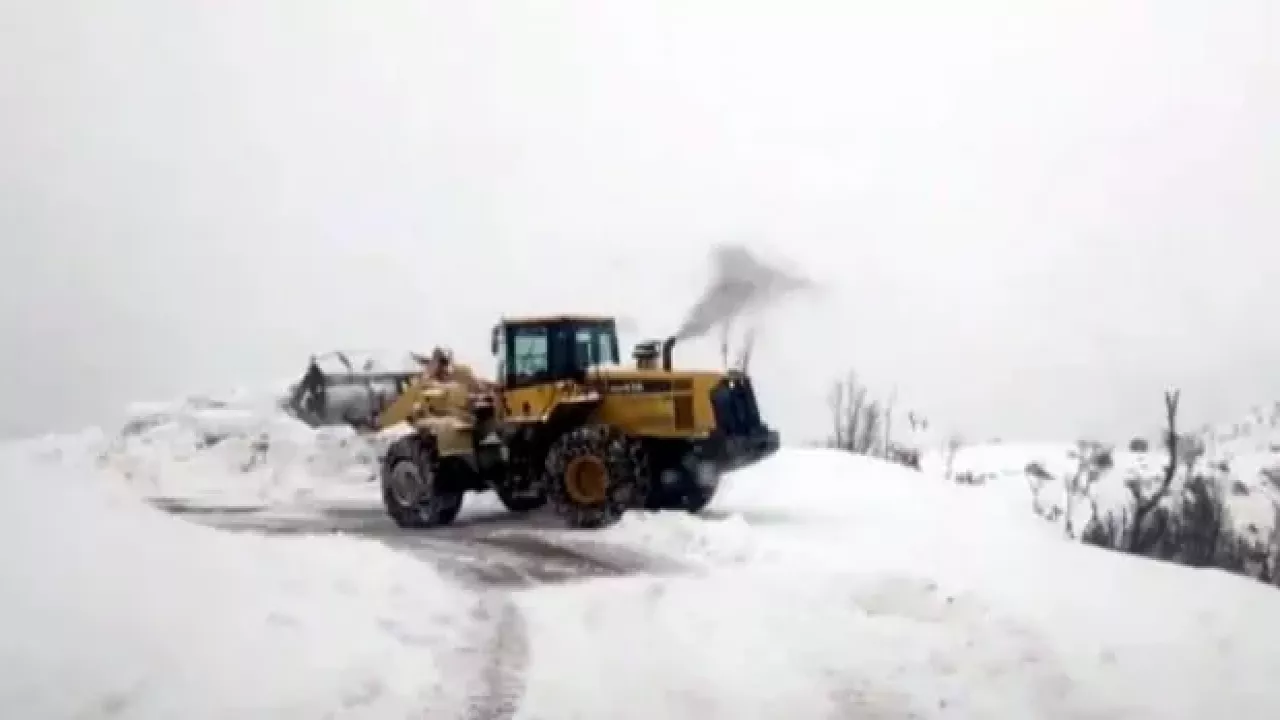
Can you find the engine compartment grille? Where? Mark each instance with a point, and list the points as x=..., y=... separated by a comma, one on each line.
x=734, y=403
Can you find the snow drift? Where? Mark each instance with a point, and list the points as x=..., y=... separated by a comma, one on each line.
x=243, y=451
x=113, y=609
x=1242, y=477
x=822, y=585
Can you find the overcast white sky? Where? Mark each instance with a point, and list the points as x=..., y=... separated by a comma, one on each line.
x=1031, y=220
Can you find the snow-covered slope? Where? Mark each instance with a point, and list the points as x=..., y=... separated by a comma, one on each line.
x=1248, y=484
x=112, y=609
x=1257, y=432
x=826, y=585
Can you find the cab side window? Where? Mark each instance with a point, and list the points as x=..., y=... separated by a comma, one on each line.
x=530, y=355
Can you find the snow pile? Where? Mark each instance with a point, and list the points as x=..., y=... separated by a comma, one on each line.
x=112, y=608
x=824, y=585
x=1246, y=482
x=240, y=451
x=706, y=541
x=872, y=591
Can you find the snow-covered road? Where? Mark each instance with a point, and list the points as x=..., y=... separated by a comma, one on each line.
x=486, y=547
x=819, y=585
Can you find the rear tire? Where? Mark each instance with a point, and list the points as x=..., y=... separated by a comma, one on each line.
x=410, y=477
x=594, y=474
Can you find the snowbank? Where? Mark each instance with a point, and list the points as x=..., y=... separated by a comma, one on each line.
x=243, y=451
x=818, y=584
x=111, y=608
x=1251, y=495
x=845, y=587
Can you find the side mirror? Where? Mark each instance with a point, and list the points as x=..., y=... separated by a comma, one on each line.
x=494, y=344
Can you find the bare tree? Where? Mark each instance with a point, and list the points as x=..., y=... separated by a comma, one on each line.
x=855, y=417
x=889, y=409
x=954, y=443
x=1271, y=571
x=1146, y=528
x=1093, y=459
x=870, y=428
x=1037, y=480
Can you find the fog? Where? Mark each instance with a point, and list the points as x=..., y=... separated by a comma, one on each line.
x=1028, y=220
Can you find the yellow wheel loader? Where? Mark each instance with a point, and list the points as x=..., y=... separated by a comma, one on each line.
x=567, y=424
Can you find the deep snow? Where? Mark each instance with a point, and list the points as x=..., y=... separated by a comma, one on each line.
x=113, y=609
x=1248, y=486
x=829, y=586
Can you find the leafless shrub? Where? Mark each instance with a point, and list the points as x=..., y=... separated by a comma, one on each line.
x=1093, y=460
x=1038, y=479
x=1182, y=515
x=856, y=418
x=954, y=443
x=903, y=455
x=864, y=425
x=1272, y=475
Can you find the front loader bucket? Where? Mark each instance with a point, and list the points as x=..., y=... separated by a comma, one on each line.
x=333, y=391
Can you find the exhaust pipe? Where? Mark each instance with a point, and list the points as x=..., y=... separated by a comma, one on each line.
x=667, y=345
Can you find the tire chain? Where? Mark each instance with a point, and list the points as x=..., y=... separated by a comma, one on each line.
x=621, y=454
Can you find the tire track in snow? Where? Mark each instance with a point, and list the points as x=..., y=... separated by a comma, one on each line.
x=495, y=559
x=499, y=682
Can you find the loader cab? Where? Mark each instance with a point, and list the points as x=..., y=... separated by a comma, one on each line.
x=534, y=351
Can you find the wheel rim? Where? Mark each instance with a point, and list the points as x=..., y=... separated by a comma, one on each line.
x=586, y=480
x=406, y=483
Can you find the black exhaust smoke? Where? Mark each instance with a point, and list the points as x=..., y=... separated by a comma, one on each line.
x=740, y=283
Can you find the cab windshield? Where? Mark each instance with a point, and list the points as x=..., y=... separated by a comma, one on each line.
x=595, y=345
x=539, y=353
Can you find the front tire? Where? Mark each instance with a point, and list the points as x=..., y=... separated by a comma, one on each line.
x=410, y=478
x=692, y=488
x=594, y=475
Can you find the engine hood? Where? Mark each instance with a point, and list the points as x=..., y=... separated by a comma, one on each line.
x=615, y=374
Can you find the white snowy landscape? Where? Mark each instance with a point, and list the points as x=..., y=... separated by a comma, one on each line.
x=820, y=584
x=1002, y=231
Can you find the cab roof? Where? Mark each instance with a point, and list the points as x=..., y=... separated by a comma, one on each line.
x=548, y=319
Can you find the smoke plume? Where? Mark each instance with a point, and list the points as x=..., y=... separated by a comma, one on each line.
x=740, y=283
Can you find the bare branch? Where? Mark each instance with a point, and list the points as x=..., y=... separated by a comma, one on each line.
x=1144, y=506
x=888, y=422
x=856, y=419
